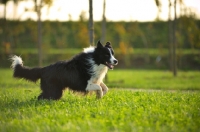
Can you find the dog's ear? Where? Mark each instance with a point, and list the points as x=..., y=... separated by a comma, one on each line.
x=108, y=45
x=99, y=45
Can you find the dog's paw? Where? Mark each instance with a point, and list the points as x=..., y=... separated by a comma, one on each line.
x=99, y=94
x=105, y=91
x=104, y=88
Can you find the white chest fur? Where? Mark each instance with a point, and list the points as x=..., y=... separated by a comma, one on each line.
x=95, y=83
x=99, y=72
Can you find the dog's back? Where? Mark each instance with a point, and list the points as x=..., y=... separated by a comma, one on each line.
x=56, y=77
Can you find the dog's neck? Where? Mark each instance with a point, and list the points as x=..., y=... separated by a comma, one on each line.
x=99, y=72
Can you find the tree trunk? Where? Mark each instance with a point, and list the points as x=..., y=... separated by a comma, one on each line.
x=174, y=42
x=39, y=25
x=103, y=35
x=5, y=25
x=14, y=9
x=91, y=25
x=170, y=38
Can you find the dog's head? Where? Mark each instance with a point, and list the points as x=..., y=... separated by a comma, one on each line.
x=105, y=55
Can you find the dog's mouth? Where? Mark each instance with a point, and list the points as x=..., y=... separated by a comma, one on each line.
x=109, y=65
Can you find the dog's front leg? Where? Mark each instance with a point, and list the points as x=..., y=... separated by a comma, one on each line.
x=95, y=87
x=104, y=88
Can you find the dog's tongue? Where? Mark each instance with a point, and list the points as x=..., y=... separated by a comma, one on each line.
x=110, y=65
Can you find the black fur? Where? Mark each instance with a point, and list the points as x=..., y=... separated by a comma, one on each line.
x=73, y=74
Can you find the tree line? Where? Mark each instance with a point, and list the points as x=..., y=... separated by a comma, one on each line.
x=70, y=34
x=126, y=38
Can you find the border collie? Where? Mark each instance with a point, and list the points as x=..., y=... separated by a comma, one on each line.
x=83, y=73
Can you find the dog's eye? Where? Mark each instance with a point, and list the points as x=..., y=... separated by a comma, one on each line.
x=107, y=54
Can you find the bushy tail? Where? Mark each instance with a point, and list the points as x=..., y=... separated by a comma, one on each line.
x=31, y=74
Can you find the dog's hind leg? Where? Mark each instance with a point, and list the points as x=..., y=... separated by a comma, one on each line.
x=44, y=88
x=50, y=91
x=51, y=94
x=56, y=94
x=43, y=95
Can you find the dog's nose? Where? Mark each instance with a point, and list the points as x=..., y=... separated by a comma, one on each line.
x=115, y=62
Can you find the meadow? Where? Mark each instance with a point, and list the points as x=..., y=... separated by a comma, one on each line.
x=138, y=100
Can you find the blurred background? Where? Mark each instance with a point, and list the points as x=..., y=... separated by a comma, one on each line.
x=145, y=34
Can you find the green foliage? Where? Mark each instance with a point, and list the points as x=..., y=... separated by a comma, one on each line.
x=151, y=38
x=189, y=30
x=75, y=34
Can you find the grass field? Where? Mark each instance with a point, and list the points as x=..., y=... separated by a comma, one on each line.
x=136, y=79
x=177, y=109
x=154, y=79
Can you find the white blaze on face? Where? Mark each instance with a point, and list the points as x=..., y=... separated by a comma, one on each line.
x=112, y=58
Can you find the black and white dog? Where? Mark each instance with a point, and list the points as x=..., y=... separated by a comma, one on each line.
x=83, y=73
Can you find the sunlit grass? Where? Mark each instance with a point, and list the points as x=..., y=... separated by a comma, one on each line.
x=154, y=79
x=119, y=110
x=142, y=79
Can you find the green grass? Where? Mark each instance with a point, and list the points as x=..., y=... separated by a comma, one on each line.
x=119, y=110
x=136, y=79
x=154, y=79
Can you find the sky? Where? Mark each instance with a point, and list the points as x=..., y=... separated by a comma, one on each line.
x=116, y=10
